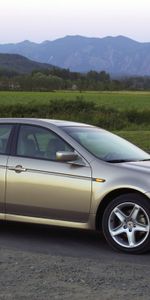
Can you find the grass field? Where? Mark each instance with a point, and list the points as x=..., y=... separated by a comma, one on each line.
x=140, y=138
x=118, y=100
x=121, y=101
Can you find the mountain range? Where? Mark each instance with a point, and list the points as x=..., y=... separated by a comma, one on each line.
x=20, y=64
x=117, y=55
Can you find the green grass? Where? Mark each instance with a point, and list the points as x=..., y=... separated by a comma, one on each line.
x=117, y=100
x=139, y=134
x=139, y=138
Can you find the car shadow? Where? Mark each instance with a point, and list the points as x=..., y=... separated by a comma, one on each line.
x=48, y=238
x=61, y=241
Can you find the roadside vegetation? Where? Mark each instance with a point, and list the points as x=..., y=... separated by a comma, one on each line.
x=125, y=113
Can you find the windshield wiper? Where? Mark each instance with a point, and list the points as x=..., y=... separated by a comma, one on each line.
x=146, y=159
x=125, y=160
x=118, y=160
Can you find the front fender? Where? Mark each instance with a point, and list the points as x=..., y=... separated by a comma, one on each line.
x=100, y=192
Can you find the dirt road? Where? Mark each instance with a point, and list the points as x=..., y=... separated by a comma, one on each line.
x=43, y=263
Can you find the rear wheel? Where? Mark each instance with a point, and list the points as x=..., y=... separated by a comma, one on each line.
x=126, y=223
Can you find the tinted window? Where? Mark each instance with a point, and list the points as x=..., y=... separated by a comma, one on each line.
x=5, y=131
x=39, y=142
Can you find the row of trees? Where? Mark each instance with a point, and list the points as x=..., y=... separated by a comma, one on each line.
x=60, y=79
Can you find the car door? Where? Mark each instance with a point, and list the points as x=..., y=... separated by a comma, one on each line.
x=5, y=134
x=40, y=186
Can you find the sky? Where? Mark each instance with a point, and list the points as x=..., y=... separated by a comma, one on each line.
x=39, y=20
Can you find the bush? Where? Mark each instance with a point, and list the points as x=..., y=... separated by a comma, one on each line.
x=79, y=110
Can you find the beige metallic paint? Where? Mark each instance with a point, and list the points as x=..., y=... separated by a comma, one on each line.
x=49, y=189
x=73, y=191
x=3, y=162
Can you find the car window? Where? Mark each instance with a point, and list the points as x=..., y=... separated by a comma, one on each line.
x=105, y=145
x=38, y=142
x=5, y=131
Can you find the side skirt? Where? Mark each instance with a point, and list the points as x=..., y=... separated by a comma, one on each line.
x=26, y=219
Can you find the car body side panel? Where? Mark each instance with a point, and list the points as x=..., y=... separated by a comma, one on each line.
x=115, y=177
x=3, y=162
x=48, y=189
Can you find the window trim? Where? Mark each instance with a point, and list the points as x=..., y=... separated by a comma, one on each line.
x=16, y=139
x=10, y=139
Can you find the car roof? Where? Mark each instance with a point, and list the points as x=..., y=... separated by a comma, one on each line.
x=63, y=123
x=59, y=123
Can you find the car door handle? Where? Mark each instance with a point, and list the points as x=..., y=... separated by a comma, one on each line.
x=17, y=169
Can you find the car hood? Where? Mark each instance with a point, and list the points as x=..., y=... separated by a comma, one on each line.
x=138, y=165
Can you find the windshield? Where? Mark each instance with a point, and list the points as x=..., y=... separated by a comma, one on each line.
x=105, y=145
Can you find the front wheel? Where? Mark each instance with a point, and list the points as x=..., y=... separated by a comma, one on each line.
x=126, y=223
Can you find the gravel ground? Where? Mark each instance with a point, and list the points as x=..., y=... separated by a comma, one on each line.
x=51, y=263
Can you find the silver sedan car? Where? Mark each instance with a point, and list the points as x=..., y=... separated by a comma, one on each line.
x=75, y=175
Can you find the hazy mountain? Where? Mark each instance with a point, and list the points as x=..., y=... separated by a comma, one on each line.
x=20, y=63
x=116, y=55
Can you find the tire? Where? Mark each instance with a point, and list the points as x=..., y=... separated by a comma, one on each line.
x=126, y=223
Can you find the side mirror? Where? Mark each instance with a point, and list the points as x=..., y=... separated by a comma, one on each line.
x=65, y=156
